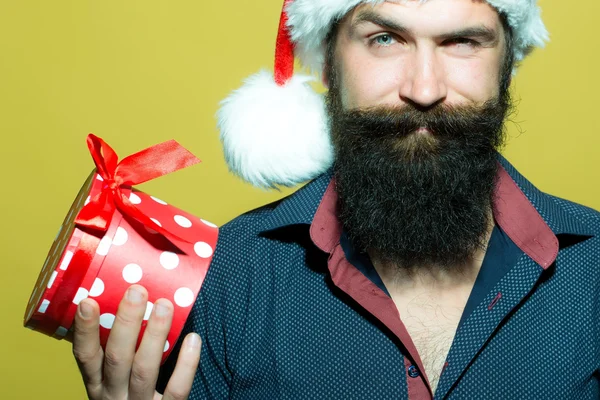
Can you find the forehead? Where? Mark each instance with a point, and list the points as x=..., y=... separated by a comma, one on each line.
x=431, y=16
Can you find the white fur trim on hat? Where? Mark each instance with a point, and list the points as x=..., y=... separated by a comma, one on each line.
x=309, y=22
x=275, y=135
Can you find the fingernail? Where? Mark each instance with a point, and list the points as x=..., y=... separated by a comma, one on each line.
x=161, y=310
x=85, y=310
x=134, y=295
x=194, y=341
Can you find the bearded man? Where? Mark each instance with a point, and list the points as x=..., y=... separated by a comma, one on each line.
x=417, y=263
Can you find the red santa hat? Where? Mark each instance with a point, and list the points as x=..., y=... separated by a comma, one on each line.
x=274, y=129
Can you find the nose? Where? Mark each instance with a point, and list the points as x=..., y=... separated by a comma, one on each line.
x=424, y=84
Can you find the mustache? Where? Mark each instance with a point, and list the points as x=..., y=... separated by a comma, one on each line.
x=443, y=120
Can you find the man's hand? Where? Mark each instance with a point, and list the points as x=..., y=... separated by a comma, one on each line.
x=120, y=372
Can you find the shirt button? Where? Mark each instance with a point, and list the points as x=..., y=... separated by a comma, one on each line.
x=413, y=372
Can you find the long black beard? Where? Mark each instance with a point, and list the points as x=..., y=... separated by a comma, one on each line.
x=417, y=200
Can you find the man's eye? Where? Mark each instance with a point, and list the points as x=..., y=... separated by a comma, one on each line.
x=383, y=40
x=463, y=41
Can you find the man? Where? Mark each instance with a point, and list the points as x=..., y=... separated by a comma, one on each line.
x=420, y=265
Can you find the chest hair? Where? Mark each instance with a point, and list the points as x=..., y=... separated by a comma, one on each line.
x=431, y=321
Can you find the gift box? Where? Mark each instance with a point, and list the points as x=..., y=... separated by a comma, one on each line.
x=115, y=236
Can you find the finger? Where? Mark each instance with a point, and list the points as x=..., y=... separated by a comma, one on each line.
x=180, y=384
x=120, y=347
x=146, y=362
x=86, y=346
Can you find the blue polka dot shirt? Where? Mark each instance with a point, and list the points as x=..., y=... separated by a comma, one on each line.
x=283, y=313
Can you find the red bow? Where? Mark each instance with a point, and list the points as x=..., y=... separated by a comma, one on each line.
x=140, y=167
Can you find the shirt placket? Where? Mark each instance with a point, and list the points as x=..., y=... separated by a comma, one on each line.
x=351, y=281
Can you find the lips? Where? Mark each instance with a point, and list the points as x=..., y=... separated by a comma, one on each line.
x=423, y=131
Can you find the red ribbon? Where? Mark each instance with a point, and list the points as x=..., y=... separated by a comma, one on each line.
x=148, y=164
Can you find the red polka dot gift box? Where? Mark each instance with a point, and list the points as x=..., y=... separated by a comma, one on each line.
x=115, y=236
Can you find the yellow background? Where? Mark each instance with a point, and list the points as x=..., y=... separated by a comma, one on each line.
x=138, y=72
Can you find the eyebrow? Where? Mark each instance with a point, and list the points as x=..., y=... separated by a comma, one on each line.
x=480, y=32
x=368, y=16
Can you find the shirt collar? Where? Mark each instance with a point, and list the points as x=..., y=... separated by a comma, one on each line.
x=558, y=219
x=300, y=207
x=532, y=219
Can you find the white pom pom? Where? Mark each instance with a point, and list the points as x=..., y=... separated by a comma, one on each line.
x=275, y=135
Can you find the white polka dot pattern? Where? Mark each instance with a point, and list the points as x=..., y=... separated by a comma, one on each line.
x=135, y=199
x=159, y=201
x=165, y=271
x=80, y=295
x=127, y=254
x=61, y=331
x=203, y=249
x=52, y=279
x=156, y=222
x=132, y=273
x=152, y=231
x=208, y=223
x=149, y=308
x=104, y=246
x=169, y=260
x=66, y=260
x=184, y=297
x=97, y=289
x=44, y=306
x=120, y=237
x=107, y=320
x=182, y=221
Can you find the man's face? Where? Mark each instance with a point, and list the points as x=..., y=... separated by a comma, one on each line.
x=417, y=101
x=440, y=51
